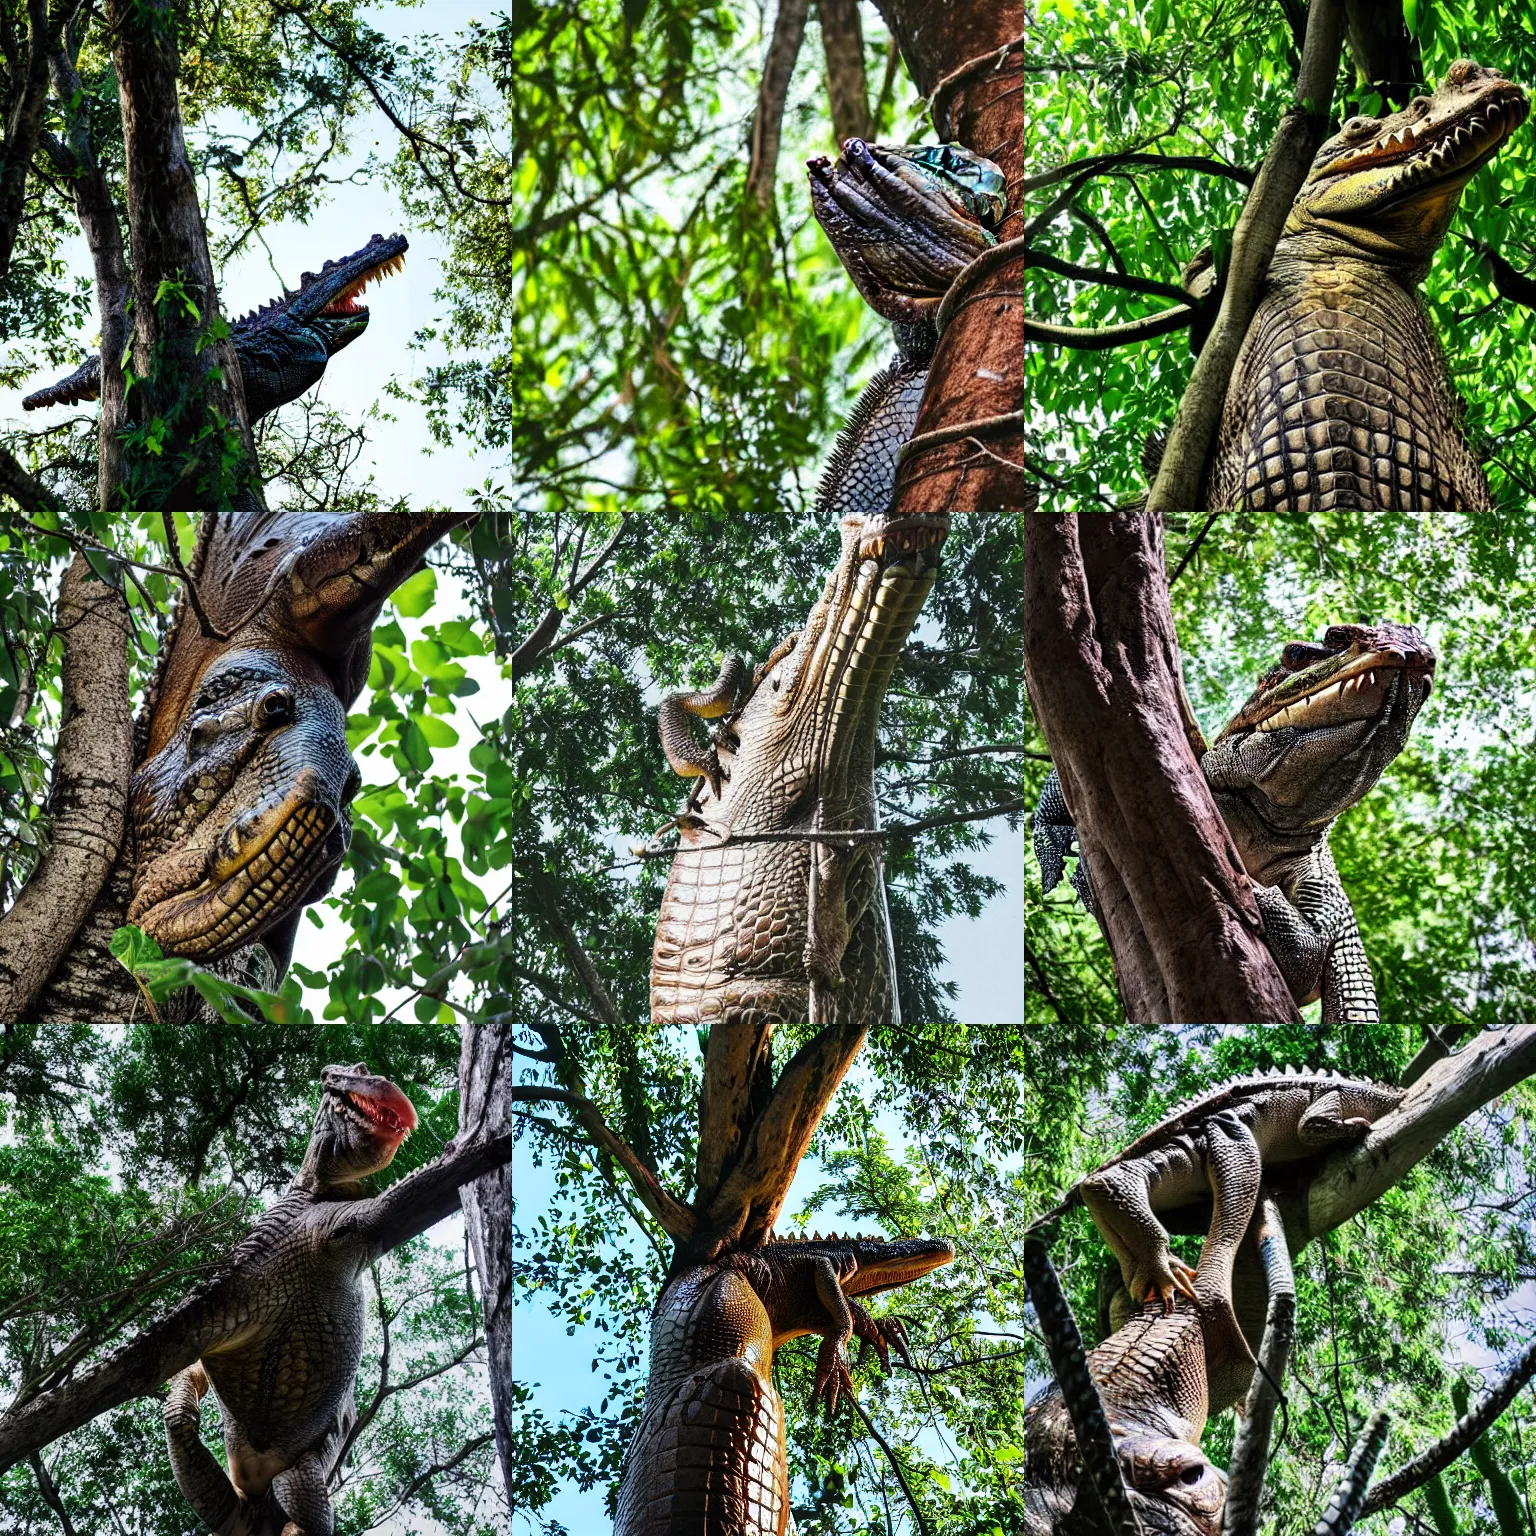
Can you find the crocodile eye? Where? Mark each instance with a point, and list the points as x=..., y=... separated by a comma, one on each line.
x=351, y=787
x=275, y=707
x=1192, y=1475
x=1300, y=655
x=1358, y=128
x=203, y=736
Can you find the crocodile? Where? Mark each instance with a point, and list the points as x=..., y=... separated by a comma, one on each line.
x=277, y=1331
x=757, y=935
x=1218, y=1142
x=1311, y=740
x=1341, y=397
x=284, y=346
x=238, y=811
x=708, y=1454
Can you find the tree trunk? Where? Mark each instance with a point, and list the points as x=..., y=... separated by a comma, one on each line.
x=768, y=123
x=175, y=297
x=842, y=40
x=1101, y=663
x=485, y=1110
x=967, y=449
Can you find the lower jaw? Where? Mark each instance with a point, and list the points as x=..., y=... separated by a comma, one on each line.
x=902, y=536
x=206, y=926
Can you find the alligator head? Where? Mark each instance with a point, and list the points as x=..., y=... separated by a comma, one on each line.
x=1151, y=1375
x=238, y=806
x=1320, y=728
x=906, y=219
x=361, y=1122
x=1386, y=189
x=241, y=816
x=282, y=347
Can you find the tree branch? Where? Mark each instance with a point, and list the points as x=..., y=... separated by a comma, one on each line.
x=1182, y=473
x=1101, y=338
x=89, y=798
x=1094, y=165
x=675, y=1218
x=768, y=122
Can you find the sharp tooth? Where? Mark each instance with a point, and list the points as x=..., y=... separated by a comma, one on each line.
x=1373, y=679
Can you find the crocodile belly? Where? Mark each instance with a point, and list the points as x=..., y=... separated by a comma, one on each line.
x=1341, y=400
x=730, y=937
x=709, y=1460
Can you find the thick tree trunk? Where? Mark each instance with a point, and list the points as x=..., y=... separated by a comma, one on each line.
x=170, y=247
x=89, y=799
x=485, y=1110
x=967, y=452
x=23, y=126
x=842, y=40
x=1382, y=49
x=1102, y=668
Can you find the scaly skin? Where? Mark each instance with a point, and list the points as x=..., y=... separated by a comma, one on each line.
x=238, y=804
x=282, y=347
x=278, y=1329
x=1292, y=760
x=708, y=1456
x=1340, y=398
x=1219, y=1142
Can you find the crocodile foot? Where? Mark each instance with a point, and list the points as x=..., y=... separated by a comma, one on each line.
x=881, y=1334
x=834, y=1381
x=1166, y=1275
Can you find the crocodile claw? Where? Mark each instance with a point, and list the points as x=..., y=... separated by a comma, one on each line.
x=1177, y=1278
x=833, y=1379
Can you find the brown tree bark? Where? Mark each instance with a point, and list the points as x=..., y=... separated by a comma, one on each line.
x=170, y=245
x=842, y=40
x=1102, y=668
x=89, y=798
x=76, y=159
x=27, y=61
x=768, y=124
x=967, y=449
x=485, y=1111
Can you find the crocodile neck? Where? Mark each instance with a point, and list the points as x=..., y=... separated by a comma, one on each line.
x=1342, y=399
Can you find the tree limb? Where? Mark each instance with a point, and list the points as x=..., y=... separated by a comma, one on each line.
x=1104, y=279
x=89, y=798
x=768, y=122
x=675, y=1218
x=1182, y=473
x=842, y=39
x=1101, y=338
x=1095, y=164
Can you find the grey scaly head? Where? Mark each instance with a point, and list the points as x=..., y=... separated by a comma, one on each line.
x=241, y=817
x=1318, y=731
x=282, y=347
x=359, y=1126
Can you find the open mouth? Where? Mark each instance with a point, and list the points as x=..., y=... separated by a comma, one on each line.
x=885, y=537
x=380, y=1114
x=1436, y=152
x=1359, y=692
x=345, y=303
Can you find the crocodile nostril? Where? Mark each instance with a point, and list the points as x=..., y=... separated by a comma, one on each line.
x=351, y=787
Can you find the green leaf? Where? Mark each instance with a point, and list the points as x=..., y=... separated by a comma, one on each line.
x=414, y=597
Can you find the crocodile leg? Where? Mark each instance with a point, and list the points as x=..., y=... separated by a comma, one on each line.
x=302, y=1493
x=1118, y=1200
x=203, y=1482
x=710, y=703
x=1236, y=1167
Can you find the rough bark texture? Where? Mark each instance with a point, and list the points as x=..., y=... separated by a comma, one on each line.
x=768, y=124
x=1102, y=668
x=485, y=1110
x=76, y=158
x=971, y=421
x=842, y=38
x=28, y=94
x=1180, y=476
x=89, y=798
x=169, y=244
